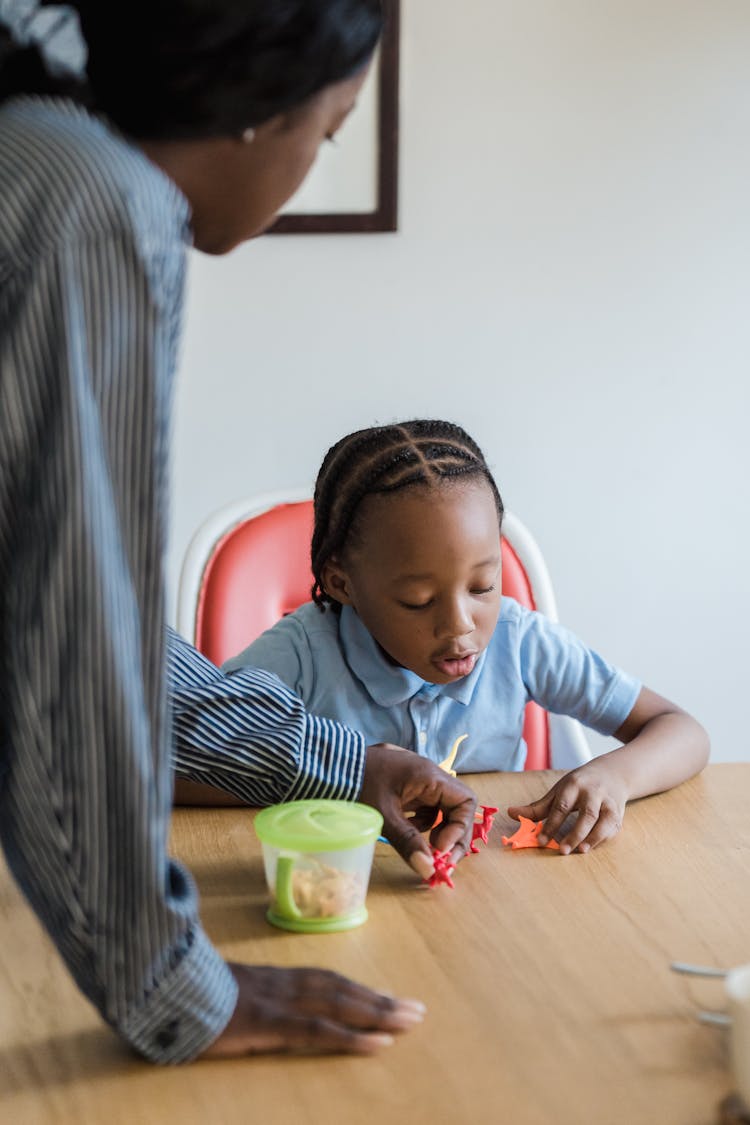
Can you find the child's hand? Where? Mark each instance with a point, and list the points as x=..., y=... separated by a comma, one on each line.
x=595, y=792
x=663, y=746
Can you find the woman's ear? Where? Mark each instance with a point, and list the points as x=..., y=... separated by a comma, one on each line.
x=335, y=582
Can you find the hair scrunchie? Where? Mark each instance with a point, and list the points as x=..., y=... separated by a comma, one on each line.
x=51, y=30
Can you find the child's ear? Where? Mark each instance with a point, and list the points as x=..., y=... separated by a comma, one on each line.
x=335, y=582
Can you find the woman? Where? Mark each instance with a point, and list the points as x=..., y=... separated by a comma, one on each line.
x=195, y=122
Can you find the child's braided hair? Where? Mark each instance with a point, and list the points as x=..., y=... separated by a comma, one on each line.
x=385, y=459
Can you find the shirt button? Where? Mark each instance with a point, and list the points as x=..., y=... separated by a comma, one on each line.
x=422, y=737
x=167, y=1036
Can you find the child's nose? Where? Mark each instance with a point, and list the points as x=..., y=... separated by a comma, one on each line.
x=456, y=622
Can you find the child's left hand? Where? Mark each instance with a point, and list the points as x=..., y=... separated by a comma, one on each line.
x=662, y=747
x=595, y=792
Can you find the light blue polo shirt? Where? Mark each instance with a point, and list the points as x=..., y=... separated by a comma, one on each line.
x=340, y=672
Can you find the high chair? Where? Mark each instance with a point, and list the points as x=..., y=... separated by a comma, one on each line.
x=249, y=564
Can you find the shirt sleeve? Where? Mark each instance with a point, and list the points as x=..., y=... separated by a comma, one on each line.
x=566, y=677
x=249, y=734
x=85, y=795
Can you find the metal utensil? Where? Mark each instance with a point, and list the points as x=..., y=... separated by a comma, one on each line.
x=697, y=970
x=717, y=1019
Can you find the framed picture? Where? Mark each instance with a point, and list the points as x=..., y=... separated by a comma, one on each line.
x=353, y=186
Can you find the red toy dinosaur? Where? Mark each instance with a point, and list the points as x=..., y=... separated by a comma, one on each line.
x=444, y=868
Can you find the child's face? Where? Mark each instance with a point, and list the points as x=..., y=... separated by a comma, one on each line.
x=424, y=576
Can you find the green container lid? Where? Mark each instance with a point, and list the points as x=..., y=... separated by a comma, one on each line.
x=318, y=825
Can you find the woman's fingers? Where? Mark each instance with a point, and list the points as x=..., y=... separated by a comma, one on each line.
x=309, y=1010
x=454, y=833
x=398, y=783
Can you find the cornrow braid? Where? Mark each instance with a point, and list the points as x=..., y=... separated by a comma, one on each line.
x=384, y=459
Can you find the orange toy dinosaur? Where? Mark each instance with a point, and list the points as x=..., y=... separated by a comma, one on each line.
x=526, y=835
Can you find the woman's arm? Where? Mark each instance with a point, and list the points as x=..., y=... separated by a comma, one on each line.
x=84, y=804
x=250, y=735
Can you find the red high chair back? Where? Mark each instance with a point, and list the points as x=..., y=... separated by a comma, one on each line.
x=249, y=565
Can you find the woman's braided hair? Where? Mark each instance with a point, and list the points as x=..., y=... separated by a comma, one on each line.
x=385, y=459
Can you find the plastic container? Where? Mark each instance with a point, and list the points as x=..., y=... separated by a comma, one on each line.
x=317, y=857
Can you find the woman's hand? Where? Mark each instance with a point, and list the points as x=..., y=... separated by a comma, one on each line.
x=398, y=782
x=595, y=792
x=309, y=1010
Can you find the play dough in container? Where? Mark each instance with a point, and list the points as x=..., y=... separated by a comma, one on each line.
x=317, y=857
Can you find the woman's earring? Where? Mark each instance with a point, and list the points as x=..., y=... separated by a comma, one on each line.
x=248, y=135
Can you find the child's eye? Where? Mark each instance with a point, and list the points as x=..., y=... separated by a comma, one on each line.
x=411, y=605
x=486, y=590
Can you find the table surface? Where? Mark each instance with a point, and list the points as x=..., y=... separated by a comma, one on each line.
x=547, y=981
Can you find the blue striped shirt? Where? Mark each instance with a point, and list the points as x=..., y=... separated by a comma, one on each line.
x=92, y=268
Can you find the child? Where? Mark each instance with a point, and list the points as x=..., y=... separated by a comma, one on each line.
x=410, y=641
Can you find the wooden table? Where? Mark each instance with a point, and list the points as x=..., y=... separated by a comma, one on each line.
x=546, y=978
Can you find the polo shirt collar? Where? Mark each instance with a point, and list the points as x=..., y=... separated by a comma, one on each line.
x=389, y=684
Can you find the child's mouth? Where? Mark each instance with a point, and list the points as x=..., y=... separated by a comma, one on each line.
x=457, y=665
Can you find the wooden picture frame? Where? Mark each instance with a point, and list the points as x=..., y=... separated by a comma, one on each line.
x=384, y=215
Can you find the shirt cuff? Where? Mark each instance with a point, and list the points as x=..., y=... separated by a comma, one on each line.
x=331, y=762
x=187, y=1010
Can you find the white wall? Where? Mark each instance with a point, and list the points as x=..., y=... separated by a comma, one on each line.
x=570, y=282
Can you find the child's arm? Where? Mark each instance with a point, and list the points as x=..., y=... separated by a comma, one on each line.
x=663, y=746
x=195, y=793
